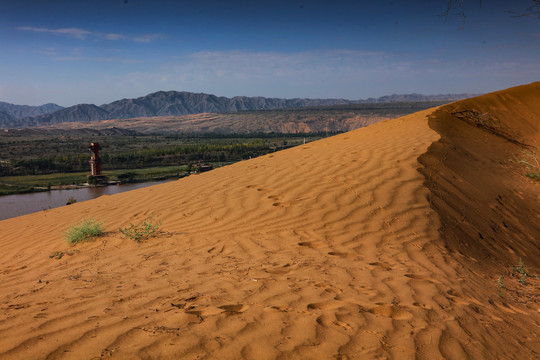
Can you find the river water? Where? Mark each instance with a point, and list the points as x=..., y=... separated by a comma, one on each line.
x=22, y=204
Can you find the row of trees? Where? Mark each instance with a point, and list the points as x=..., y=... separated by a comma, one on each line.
x=164, y=156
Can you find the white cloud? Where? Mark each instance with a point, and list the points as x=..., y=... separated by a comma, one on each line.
x=71, y=32
x=146, y=38
x=83, y=34
x=113, y=36
x=349, y=74
x=50, y=51
x=95, y=59
x=240, y=72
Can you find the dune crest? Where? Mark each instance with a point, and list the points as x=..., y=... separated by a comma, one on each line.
x=342, y=248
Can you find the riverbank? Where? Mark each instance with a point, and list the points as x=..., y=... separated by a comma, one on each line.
x=11, y=185
x=23, y=204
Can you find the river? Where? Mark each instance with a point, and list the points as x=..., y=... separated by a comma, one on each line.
x=22, y=204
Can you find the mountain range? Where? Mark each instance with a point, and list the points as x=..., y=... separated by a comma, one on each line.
x=22, y=111
x=171, y=103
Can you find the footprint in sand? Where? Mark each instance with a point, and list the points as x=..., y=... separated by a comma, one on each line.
x=204, y=312
x=209, y=311
x=284, y=269
x=312, y=244
x=234, y=308
x=422, y=277
x=345, y=326
x=216, y=249
x=385, y=266
x=282, y=204
x=328, y=288
x=342, y=254
x=390, y=311
x=324, y=305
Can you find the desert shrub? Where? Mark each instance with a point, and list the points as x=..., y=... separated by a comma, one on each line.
x=533, y=175
x=57, y=255
x=529, y=158
x=500, y=286
x=522, y=271
x=92, y=180
x=71, y=200
x=85, y=231
x=142, y=231
x=127, y=176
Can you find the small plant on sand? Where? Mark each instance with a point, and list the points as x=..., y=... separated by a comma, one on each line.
x=57, y=255
x=143, y=231
x=529, y=158
x=523, y=271
x=85, y=231
x=500, y=286
x=60, y=254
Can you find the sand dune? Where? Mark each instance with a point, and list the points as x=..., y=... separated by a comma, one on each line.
x=365, y=245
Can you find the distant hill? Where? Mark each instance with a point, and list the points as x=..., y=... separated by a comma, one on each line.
x=81, y=112
x=184, y=103
x=418, y=97
x=329, y=118
x=5, y=118
x=173, y=103
x=22, y=111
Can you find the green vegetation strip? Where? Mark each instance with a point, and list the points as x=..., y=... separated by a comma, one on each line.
x=31, y=183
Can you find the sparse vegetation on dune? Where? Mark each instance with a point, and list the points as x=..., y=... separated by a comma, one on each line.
x=500, y=286
x=144, y=230
x=530, y=159
x=86, y=230
x=520, y=285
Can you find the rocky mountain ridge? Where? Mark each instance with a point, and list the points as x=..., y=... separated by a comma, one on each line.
x=6, y=118
x=22, y=111
x=174, y=103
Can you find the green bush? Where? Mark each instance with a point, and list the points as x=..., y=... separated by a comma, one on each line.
x=523, y=271
x=71, y=200
x=127, y=176
x=92, y=180
x=85, y=231
x=143, y=230
x=529, y=158
x=533, y=175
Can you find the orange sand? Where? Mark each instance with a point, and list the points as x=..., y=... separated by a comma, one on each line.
x=365, y=245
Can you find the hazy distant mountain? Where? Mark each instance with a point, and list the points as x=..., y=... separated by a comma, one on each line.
x=167, y=103
x=82, y=112
x=21, y=111
x=419, y=97
x=171, y=103
x=5, y=118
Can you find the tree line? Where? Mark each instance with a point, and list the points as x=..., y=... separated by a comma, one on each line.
x=162, y=156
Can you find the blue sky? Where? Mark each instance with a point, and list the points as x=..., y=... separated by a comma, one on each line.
x=97, y=51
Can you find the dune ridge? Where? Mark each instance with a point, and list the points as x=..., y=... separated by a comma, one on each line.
x=344, y=248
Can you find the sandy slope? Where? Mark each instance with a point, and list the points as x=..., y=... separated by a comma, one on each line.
x=340, y=249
